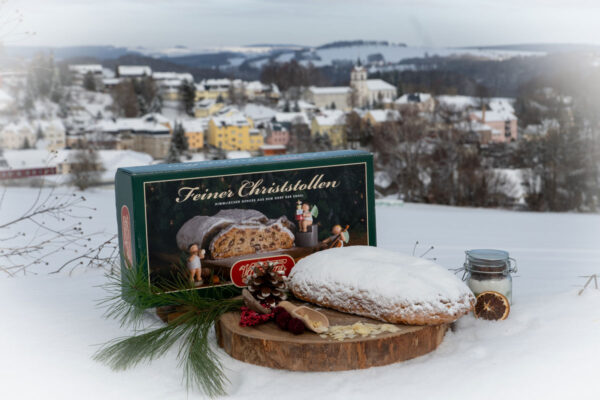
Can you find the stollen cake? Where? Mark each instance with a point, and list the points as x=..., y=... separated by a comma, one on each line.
x=382, y=285
x=248, y=238
x=236, y=232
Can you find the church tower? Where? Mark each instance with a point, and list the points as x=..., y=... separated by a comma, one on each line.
x=358, y=82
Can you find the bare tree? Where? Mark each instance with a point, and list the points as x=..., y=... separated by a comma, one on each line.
x=353, y=98
x=125, y=100
x=400, y=147
x=357, y=131
x=53, y=224
x=86, y=167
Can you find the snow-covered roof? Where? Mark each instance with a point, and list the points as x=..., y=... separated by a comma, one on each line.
x=256, y=86
x=237, y=119
x=302, y=105
x=272, y=147
x=503, y=106
x=111, y=81
x=379, y=84
x=228, y=110
x=211, y=84
x=384, y=115
x=54, y=123
x=231, y=155
x=85, y=68
x=329, y=89
x=292, y=117
x=205, y=103
x=108, y=73
x=457, y=102
x=305, y=105
x=195, y=124
x=259, y=112
x=134, y=70
x=413, y=98
x=18, y=126
x=330, y=117
x=33, y=158
x=149, y=123
x=111, y=160
x=494, y=116
x=172, y=76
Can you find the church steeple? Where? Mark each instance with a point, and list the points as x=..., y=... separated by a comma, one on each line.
x=358, y=82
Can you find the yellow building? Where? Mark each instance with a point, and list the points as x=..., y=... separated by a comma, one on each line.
x=194, y=132
x=234, y=133
x=330, y=123
x=212, y=89
x=207, y=108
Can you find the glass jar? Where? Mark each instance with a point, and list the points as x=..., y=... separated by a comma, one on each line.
x=489, y=270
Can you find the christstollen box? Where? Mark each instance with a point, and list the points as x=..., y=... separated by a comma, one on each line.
x=204, y=225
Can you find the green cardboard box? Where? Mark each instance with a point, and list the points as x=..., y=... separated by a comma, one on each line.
x=207, y=223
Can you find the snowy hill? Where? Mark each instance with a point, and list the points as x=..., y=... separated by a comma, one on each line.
x=327, y=54
x=394, y=53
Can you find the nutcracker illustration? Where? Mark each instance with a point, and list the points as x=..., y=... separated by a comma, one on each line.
x=299, y=212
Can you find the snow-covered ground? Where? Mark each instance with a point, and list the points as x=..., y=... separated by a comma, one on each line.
x=548, y=348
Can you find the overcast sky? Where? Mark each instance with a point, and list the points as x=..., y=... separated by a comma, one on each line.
x=214, y=23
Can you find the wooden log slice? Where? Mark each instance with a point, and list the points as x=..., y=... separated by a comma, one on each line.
x=269, y=346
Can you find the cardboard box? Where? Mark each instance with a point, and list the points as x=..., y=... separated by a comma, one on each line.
x=208, y=223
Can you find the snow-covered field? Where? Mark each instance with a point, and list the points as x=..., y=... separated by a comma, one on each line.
x=549, y=348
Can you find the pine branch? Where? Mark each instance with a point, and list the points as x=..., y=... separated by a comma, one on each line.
x=130, y=295
x=202, y=367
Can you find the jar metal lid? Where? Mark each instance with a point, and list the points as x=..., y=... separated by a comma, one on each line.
x=489, y=261
x=487, y=256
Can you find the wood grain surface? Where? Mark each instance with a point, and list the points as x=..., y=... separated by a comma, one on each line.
x=269, y=346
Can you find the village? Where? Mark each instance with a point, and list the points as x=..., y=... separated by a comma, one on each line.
x=88, y=119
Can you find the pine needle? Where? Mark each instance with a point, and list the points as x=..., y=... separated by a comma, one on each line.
x=130, y=296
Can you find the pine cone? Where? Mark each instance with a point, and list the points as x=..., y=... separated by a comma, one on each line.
x=267, y=285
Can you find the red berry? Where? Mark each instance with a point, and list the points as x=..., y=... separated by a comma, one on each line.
x=296, y=326
x=282, y=319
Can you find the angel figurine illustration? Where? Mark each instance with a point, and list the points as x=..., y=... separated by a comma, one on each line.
x=307, y=216
x=194, y=264
x=338, y=237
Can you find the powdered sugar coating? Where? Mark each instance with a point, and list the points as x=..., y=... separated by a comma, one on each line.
x=381, y=284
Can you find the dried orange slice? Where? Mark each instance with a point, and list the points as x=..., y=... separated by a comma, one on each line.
x=492, y=306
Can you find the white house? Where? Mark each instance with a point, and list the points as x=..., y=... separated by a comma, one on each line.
x=422, y=102
x=79, y=71
x=53, y=134
x=329, y=96
x=17, y=135
x=370, y=91
x=362, y=92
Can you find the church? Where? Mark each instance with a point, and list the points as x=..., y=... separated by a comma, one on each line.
x=362, y=92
